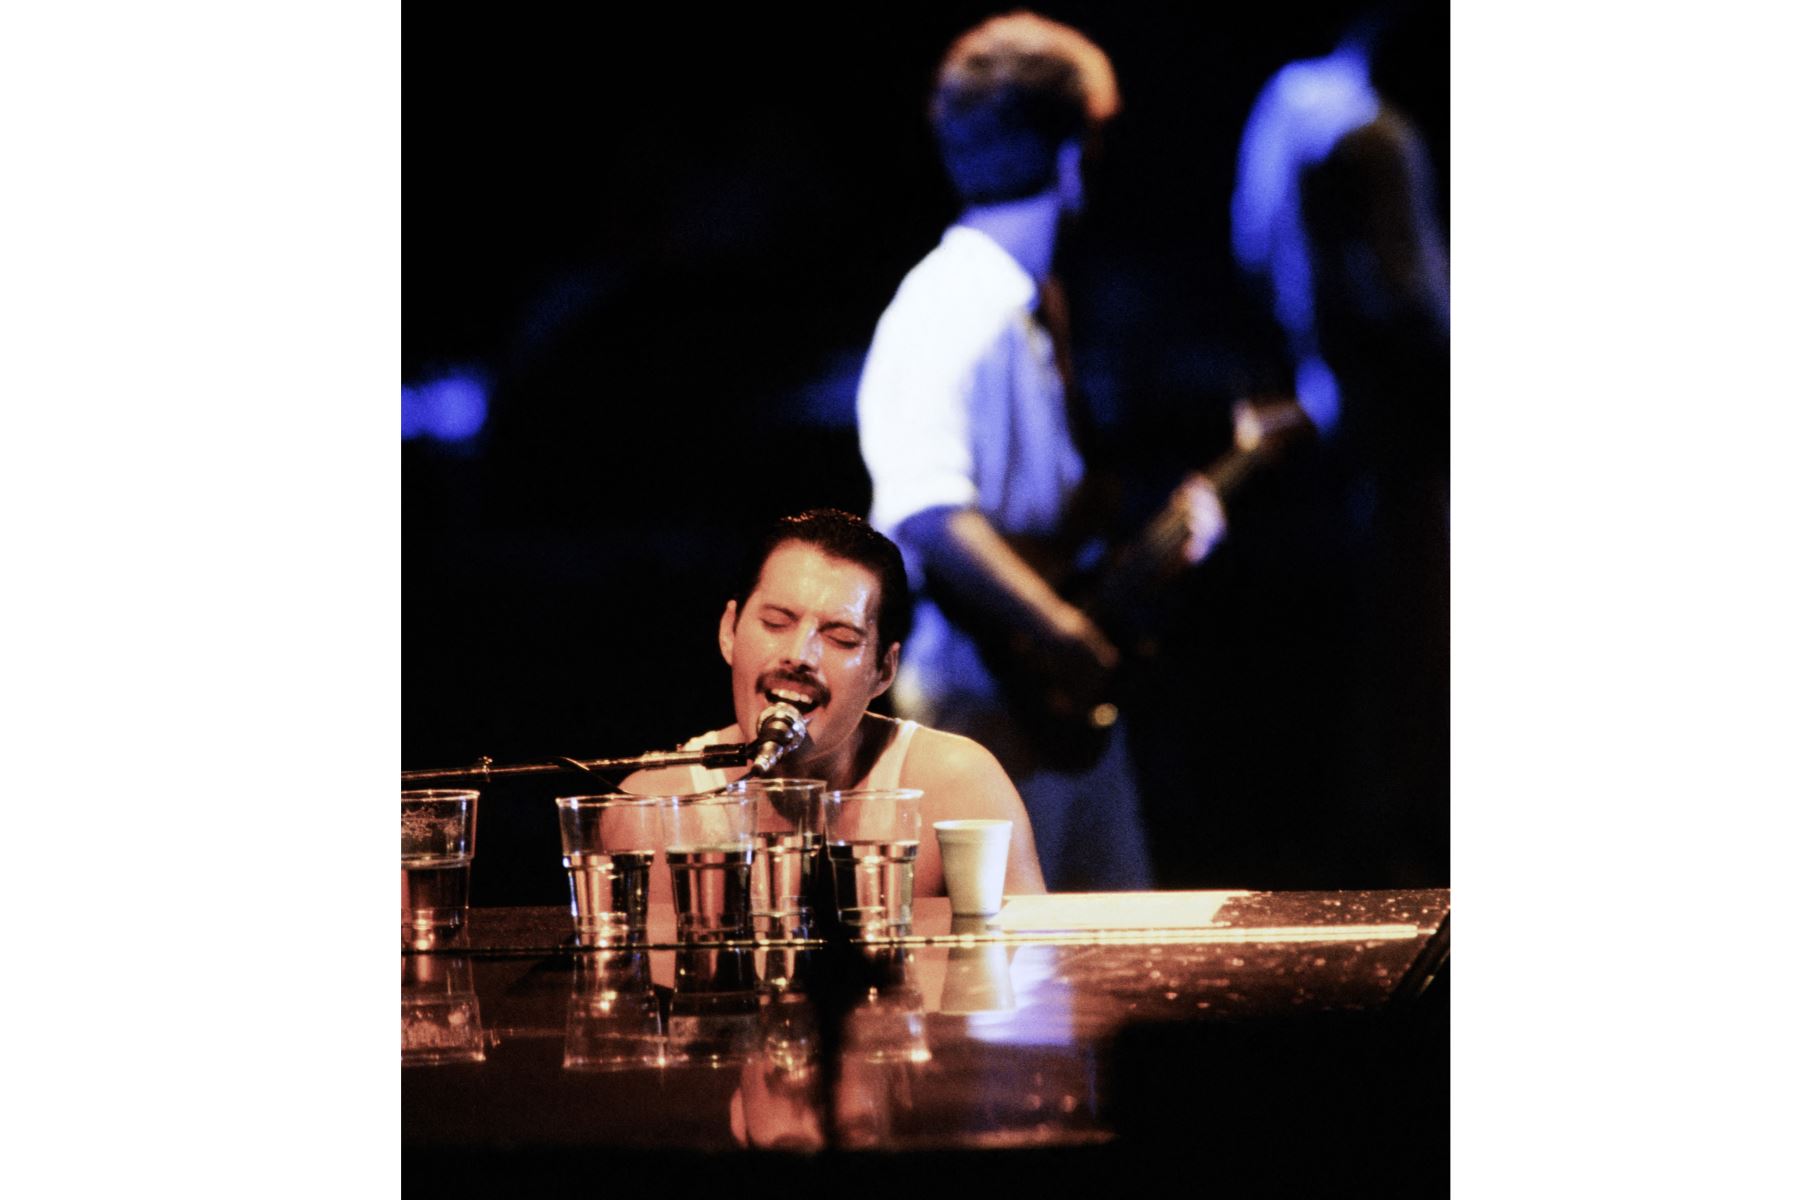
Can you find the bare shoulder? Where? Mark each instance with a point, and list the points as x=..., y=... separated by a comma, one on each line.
x=950, y=765
x=962, y=780
x=665, y=781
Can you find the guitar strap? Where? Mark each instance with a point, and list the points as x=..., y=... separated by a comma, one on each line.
x=1091, y=511
x=1053, y=315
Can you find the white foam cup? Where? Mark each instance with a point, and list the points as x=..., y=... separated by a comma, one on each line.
x=974, y=854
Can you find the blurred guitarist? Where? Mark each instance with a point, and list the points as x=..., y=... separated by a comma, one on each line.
x=966, y=431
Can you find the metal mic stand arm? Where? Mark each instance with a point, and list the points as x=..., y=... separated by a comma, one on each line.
x=732, y=754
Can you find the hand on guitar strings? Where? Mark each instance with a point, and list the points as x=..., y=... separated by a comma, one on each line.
x=1205, y=517
x=1076, y=653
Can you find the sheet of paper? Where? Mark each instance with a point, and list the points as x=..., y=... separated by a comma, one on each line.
x=1112, y=910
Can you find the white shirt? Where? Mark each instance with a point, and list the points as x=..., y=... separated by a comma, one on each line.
x=960, y=402
x=961, y=405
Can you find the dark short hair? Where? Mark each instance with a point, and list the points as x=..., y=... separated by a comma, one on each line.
x=840, y=535
x=1008, y=94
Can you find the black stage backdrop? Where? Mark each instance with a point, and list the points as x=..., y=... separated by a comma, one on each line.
x=659, y=239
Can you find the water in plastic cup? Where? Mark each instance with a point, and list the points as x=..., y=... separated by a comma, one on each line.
x=437, y=846
x=871, y=845
x=974, y=855
x=787, y=829
x=609, y=842
x=707, y=841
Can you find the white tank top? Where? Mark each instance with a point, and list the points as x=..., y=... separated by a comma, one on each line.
x=885, y=773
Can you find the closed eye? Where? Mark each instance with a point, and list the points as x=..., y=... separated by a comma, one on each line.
x=773, y=617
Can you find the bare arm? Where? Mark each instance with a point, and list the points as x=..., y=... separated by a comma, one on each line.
x=963, y=781
x=663, y=781
x=967, y=555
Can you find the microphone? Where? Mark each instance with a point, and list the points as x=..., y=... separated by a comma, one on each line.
x=779, y=730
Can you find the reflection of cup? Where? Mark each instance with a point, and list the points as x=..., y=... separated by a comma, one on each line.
x=707, y=840
x=786, y=828
x=712, y=1014
x=974, y=854
x=788, y=1032
x=437, y=845
x=884, y=1048
x=978, y=979
x=440, y=1016
x=608, y=844
x=888, y=1023
x=871, y=844
x=780, y=968
x=615, y=1020
x=777, y=1105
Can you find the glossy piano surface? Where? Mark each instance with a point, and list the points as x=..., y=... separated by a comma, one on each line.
x=1054, y=1026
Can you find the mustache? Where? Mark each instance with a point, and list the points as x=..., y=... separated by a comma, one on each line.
x=798, y=681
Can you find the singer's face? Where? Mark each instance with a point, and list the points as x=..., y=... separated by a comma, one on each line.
x=806, y=636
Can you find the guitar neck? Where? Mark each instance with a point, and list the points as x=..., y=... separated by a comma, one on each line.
x=1156, y=553
x=1228, y=471
x=1158, y=547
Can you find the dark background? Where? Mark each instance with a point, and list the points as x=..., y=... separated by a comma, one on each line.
x=664, y=240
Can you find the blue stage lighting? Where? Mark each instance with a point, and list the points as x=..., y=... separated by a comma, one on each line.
x=451, y=408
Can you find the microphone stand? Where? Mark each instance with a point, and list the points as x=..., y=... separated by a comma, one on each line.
x=731, y=754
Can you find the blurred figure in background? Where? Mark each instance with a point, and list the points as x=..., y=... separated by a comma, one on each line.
x=1333, y=218
x=1334, y=222
x=970, y=436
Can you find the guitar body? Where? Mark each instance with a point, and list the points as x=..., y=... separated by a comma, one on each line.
x=1066, y=720
x=1069, y=717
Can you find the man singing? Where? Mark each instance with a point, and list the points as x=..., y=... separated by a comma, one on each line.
x=817, y=621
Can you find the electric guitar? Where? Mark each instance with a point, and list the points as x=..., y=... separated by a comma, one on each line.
x=1069, y=721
